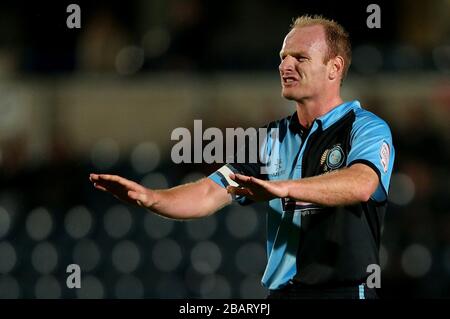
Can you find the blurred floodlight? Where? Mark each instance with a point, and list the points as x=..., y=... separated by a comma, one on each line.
x=145, y=157
x=251, y=258
x=126, y=256
x=9, y=287
x=10, y=201
x=406, y=57
x=91, y=288
x=117, y=221
x=192, y=279
x=206, y=257
x=441, y=57
x=129, y=60
x=13, y=111
x=367, y=59
x=157, y=227
x=47, y=287
x=416, y=260
x=8, y=257
x=78, y=222
x=129, y=287
x=156, y=41
x=201, y=229
x=44, y=258
x=5, y=222
x=215, y=287
x=402, y=189
x=155, y=181
x=39, y=224
x=170, y=286
x=86, y=254
x=105, y=153
x=251, y=288
x=242, y=222
x=166, y=255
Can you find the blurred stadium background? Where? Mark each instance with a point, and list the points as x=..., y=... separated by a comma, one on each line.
x=106, y=97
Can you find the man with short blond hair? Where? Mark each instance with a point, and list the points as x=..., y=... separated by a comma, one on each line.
x=332, y=162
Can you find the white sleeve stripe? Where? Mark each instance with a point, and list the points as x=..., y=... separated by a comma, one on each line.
x=225, y=171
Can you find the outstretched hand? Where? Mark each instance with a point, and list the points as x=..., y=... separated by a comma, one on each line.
x=257, y=189
x=124, y=189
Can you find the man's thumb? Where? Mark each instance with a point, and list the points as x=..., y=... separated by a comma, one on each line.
x=142, y=200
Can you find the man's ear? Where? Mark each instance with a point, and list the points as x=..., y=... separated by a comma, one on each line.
x=336, y=65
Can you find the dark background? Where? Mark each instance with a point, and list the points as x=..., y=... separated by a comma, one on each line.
x=105, y=98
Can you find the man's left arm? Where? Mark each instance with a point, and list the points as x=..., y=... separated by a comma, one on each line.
x=338, y=188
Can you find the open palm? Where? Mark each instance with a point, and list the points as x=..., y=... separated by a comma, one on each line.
x=127, y=191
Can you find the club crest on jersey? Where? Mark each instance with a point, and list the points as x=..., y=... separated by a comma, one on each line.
x=333, y=158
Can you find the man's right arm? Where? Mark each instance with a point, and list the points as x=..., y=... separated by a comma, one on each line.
x=188, y=201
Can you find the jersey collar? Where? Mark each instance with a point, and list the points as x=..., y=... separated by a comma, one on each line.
x=325, y=120
x=337, y=113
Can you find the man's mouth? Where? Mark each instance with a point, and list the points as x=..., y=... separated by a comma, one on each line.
x=289, y=80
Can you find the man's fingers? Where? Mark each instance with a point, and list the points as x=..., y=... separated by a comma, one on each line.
x=116, y=188
x=257, y=181
x=100, y=187
x=114, y=179
x=134, y=195
x=241, y=179
x=238, y=191
x=249, y=181
x=111, y=178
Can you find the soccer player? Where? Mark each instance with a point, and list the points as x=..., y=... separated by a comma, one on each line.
x=328, y=191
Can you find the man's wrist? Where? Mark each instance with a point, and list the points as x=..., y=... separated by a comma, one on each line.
x=292, y=188
x=154, y=199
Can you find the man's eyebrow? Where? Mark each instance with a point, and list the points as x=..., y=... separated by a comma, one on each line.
x=295, y=54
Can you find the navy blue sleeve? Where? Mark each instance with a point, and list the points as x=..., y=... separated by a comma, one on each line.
x=371, y=144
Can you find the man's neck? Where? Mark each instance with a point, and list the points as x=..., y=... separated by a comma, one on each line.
x=308, y=109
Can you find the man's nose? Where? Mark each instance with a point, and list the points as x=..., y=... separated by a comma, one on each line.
x=287, y=64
